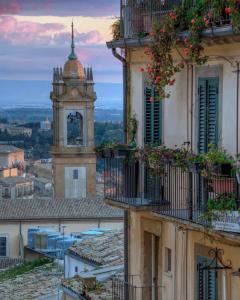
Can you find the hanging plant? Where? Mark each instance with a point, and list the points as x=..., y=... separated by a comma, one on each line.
x=191, y=20
x=232, y=8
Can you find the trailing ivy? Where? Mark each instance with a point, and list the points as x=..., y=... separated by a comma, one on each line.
x=191, y=21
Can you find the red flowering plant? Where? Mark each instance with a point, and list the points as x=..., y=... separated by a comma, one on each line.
x=162, y=67
x=191, y=20
x=232, y=8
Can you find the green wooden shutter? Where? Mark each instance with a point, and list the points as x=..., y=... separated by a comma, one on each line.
x=207, y=113
x=148, y=116
x=153, y=118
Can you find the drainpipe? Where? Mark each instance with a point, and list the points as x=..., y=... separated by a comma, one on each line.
x=124, y=64
x=126, y=214
x=237, y=114
x=192, y=107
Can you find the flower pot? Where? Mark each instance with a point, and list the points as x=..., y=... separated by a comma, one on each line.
x=122, y=152
x=223, y=169
x=107, y=153
x=223, y=185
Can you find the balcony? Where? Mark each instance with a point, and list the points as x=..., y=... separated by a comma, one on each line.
x=174, y=192
x=132, y=290
x=137, y=16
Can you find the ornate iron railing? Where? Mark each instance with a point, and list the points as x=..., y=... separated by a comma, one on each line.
x=137, y=16
x=170, y=190
x=122, y=290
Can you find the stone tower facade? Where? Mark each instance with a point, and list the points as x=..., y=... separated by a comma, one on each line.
x=74, y=159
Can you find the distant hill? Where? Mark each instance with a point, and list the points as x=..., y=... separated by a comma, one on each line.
x=32, y=93
x=21, y=115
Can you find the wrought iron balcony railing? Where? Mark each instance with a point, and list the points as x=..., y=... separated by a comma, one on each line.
x=130, y=290
x=137, y=16
x=172, y=191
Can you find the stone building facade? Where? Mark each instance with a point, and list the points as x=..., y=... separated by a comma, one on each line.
x=169, y=253
x=74, y=160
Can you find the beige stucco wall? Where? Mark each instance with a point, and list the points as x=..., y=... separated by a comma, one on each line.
x=185, y=243
x=8, y=159
x=177, y=109
x=13, y=229
x=59, y=165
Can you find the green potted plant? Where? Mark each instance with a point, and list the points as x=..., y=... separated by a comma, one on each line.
x=195, y=162
x=123, y=150
x=218, y=161
x=105, y=149
x=180, y=157
x=116, y=29
x=222, y=213
x=132, y=127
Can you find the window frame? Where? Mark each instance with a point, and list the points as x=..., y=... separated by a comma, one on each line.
x=6, y=245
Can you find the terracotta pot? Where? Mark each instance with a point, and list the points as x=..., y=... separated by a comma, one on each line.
x=223, y=185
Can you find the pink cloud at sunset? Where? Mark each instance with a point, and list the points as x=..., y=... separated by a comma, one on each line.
x=9, y=7
x=37, y=33
x=60, y=7
x=25, y=32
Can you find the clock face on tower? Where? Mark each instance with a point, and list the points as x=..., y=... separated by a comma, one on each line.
x=74, y=92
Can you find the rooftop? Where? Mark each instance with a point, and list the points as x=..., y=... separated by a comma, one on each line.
x=41, y=281
x=14, y=180
x=103, y=250
x=48, y=208
x=9, y=149
x=42, y=180
x=74, y=287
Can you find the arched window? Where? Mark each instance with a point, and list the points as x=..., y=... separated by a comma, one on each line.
x=74, y=129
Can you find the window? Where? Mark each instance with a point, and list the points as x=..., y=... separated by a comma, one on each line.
x=76, y=269
x=152, y=118
x=74, y=129
x=168, y=260
x=75, y=174
x=3, y=246
x=207, y=282
x=207, y=112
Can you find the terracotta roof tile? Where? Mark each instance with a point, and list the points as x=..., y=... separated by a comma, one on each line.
x=47, y=208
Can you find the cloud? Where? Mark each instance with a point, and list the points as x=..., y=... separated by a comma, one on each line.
x=36, y=62
x=60, y=7
x=9, y=7
x=86, y=38
x=26, y=32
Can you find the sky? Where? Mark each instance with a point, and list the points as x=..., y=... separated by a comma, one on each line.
x=35, y=37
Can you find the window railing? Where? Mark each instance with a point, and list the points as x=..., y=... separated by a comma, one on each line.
x=137, y=16
x=173, y=191
x=130, y=290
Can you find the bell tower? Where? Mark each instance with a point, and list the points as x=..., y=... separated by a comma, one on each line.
x=74, y=160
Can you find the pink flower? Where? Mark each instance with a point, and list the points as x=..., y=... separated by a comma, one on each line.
x=186, y=51
x=227, y=10
x=151, y=99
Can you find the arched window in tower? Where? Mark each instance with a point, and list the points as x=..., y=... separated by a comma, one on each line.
x=74, y=129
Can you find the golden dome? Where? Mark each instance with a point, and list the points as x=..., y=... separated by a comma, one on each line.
x=73, y=69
